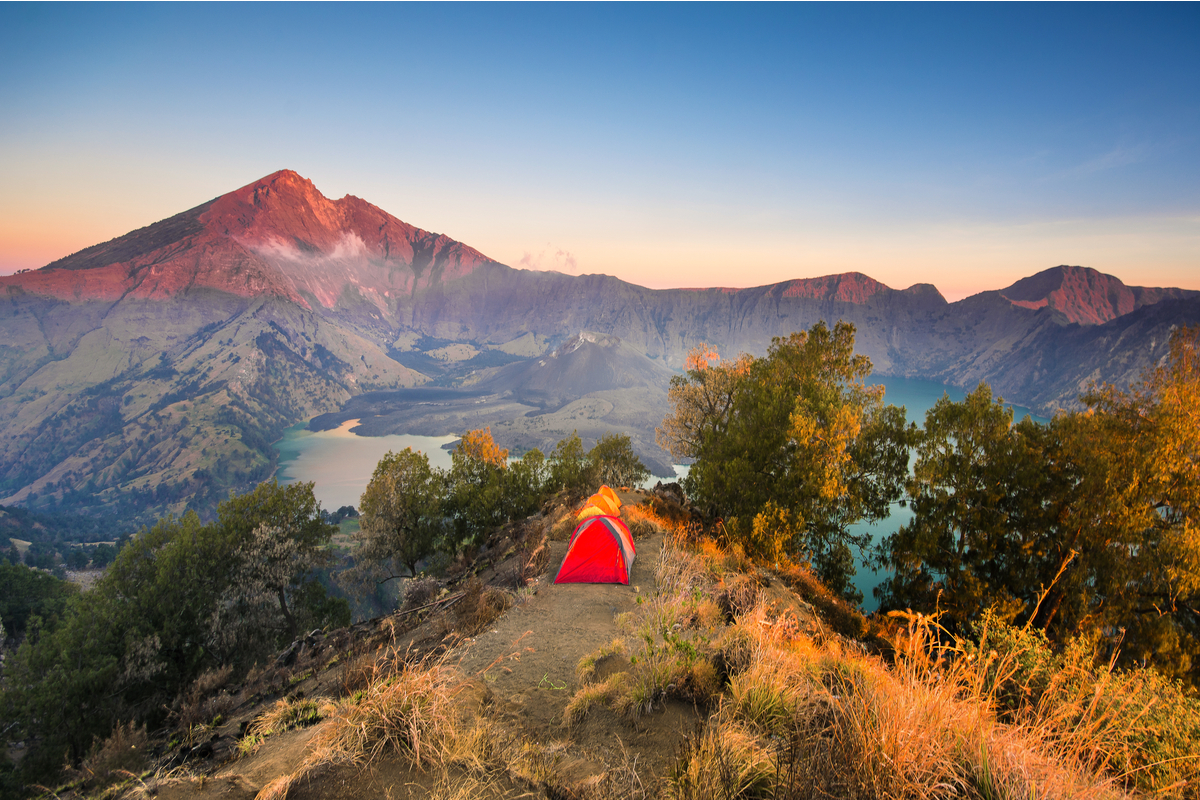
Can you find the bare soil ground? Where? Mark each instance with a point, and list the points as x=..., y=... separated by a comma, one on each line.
x=527, y=660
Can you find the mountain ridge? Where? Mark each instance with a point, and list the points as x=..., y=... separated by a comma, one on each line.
x=1085, y=295
x=161, y=364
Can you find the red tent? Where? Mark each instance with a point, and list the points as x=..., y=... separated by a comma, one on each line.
x=601, y=551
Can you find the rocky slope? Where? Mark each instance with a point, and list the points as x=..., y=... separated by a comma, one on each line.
x=152, y=371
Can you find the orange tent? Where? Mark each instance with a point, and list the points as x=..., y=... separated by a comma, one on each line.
x=610, y=494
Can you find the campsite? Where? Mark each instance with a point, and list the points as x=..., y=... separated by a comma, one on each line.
x=705, y=676
x=519, y=675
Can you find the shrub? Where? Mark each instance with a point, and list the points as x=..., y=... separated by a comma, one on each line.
x=420, y=591
x=410, y=712
x=1134, y=723
x=642, y=521
x=737, y=596
x=285, y=715
x=124, y=751
x=479, y=607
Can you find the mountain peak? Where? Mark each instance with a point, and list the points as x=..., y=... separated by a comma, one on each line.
x=846, y=287
x=277, y=236
x=1084, y=295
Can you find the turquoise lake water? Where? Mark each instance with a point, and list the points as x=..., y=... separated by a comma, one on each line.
x=340, y=464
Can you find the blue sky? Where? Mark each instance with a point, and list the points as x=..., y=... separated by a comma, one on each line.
x=671, y=145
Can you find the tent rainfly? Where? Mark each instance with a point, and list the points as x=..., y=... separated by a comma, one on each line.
x=600, y=551
x=604, y=502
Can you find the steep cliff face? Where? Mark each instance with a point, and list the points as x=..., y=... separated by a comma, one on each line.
x=496, y=303
x=158, y=366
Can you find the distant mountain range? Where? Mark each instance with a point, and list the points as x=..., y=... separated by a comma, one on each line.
x=153, y=371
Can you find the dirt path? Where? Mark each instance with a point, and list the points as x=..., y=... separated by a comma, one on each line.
x=527, y=658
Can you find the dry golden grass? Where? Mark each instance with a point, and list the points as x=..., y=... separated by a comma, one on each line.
x=479, y=607
x=802, y=718
x=643, y=521
x=284, y=715
x=411, y=713
x=793, y=716
x=848, y=726
x=585, y=670
x=111, y=763
x=561, y=522
x=1133, y=725
x=593, y=695
x=836, y=612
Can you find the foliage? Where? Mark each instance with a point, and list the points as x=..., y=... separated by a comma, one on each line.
x=26, y=593
x=985, y=496
x=524, y=484
x=614, y=463
x=279, y=538
x=1088, y=525
x=1133, y=722
x=273, y=597
x=796, y=433
x=57, y=527
x=478, y=447
x=400, y=519
x=474, y=499
x=569, y=466
x=168, y=608
x=103, y=555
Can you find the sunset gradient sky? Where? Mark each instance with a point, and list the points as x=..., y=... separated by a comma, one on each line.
x=671, y=145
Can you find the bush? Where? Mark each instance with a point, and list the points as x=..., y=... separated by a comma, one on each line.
x=420, y=591
x=124, y=751
x=479, y=607
x=1135, y=723
x=613, y=461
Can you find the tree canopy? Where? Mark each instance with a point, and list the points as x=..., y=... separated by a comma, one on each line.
x=613, y=462
x=1089, y=525
x=400, y=518
x=180, y=598
x=795, y=437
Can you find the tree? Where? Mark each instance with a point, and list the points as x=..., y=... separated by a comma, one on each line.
x=77, y=559
x=796, y=434
x=285, y=569
x=1087, y=526
x=475, y=487
x=103, y=555
x=985, y=495
x=702, y=401
x=400, y=520
x=271, y=597
x=1140, y=510
x=125, y=648
x=569, y=467
x=524, y=485
x=27, y=593
x=614, y=463
x=156, y=619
